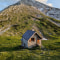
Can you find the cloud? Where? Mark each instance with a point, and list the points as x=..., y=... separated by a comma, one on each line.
x=49, y=4
x=45, y=2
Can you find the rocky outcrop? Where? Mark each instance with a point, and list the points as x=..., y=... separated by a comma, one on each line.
x=47, y=10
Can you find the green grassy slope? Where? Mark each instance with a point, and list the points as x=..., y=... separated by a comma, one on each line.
x=48, y=29
x=22, y=18
x=10, y=49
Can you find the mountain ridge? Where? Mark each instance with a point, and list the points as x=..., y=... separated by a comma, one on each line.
x=45, y=9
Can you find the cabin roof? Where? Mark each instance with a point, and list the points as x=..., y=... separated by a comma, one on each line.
x=28, y=34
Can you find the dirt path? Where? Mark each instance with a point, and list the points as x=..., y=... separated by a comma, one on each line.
x=5, y=30
x=58, y=24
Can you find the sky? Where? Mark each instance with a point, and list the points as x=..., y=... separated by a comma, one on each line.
x=5, y=3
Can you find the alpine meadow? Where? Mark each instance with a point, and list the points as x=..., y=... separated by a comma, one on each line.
x=16, y=19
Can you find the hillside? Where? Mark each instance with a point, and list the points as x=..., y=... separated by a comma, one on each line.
x=10, y=49
x=18, y=18
x=47, y=10
x=15, y=20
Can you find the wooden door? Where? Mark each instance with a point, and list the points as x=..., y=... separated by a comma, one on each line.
x=37, y=41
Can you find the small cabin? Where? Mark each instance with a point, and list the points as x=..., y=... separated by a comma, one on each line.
x=31, y=39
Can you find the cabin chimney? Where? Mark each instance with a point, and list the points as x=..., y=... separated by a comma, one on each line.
x=32, y=29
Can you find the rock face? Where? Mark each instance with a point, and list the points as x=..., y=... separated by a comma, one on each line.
x=47, y=10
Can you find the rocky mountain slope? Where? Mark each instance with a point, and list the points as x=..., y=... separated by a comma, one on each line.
x=47, y=10
x=18, y=18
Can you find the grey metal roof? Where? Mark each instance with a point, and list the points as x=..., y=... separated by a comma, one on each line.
x=28, y=34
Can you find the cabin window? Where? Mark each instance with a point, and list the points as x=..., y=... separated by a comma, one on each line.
x=32, y=39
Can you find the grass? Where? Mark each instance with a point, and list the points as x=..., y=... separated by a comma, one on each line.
x=48, y=29
x=55, y=20
x=8, y=43
x=53, y=44
x=10, y=49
